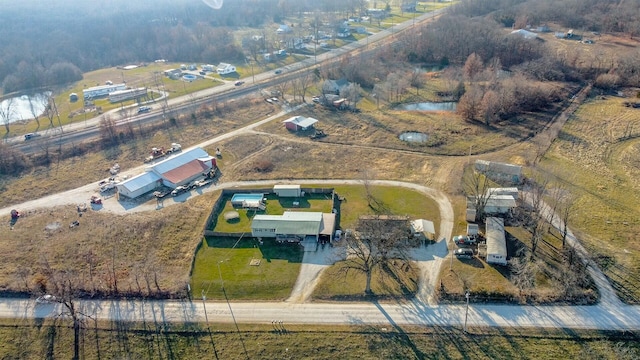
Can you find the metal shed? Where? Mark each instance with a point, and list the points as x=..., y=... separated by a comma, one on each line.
x=288, y=190
x=139, y=185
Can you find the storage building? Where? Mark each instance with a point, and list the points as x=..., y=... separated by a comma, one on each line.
x=288, y=190
x=139, y=185
x=128, y=94
x=177, y=170
x=294, y=226
x=299, y=123
x=500, y=171
x=103, y=90
x=496, y=242
x=423, y=228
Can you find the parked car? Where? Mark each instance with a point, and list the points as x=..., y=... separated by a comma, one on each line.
x=238, y=83
x=464, y=253
x=279, y=71
x=179, y=190
x=464, y=240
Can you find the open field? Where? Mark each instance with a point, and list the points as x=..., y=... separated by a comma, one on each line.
x=110, y=255
x=38, y=340
x=596, y=159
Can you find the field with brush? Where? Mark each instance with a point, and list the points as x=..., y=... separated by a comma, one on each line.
x=103, y=340
x=596, y=159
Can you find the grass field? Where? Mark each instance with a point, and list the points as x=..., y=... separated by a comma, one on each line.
x=46, y=340
x=595, y=158
x=226, y=263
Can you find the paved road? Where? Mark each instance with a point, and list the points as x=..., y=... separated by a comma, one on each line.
x=382, y=314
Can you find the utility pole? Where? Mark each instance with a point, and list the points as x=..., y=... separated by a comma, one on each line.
x=451, y=257
x=204, y=306
x=220, y=273
x=466, y=314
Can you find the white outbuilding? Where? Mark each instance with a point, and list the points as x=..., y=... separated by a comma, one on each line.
x=288, y=190
x=496, y=241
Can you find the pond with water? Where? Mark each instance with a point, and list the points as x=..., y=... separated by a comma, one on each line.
x=20, y=107
x=429, y=106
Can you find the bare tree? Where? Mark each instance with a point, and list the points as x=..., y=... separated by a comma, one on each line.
x=62, y=286
x=417, y=80
x=282, y=88
x=536, y=214
x=562, y=206
x=108, y=130
x=34, y=110
x=304, y=82
x=351, y=92
x=522, y=273
x=377, y=241
x=6, y=111
x=478, y=188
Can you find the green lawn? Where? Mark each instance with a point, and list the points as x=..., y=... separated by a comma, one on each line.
x=398, y=201
x=228, y=261
x=275, y=206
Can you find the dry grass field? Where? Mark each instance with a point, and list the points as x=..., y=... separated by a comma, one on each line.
x=146, y=253
x=596, y=159
x=52, y=339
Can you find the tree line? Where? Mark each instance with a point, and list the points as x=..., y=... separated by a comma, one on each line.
x=75, y=37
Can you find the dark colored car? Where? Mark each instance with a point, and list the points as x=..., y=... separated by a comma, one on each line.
x=278, y=71
x=463, y=253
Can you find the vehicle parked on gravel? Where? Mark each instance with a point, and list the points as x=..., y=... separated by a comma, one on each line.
x=179, y=190
x=464, y=240
x=463, y=253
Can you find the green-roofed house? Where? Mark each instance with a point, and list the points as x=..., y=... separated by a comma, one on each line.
x=295, y=226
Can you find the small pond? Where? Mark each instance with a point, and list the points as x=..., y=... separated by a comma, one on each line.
x=429, y=106
x=414, y=136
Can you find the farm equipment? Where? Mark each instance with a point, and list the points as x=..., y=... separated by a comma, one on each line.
x=319, y=134
x=156, y=153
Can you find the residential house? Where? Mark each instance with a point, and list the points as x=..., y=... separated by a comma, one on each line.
x=224, y=68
